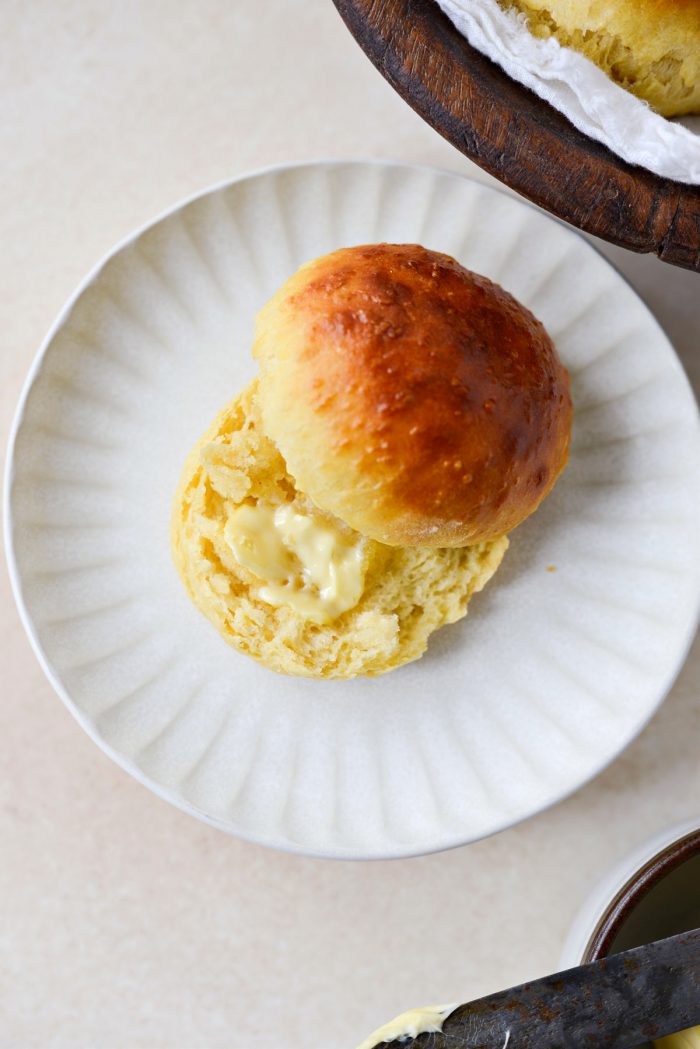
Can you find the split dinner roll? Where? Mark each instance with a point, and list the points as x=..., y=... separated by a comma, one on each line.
x=416, y=401
x=397, y=597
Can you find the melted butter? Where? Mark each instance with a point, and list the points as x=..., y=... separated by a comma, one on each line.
x=426, y=1020
x=689, y=1039
x=302, y=559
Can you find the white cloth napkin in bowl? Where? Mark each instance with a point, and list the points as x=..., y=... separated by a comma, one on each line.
x=581, y=91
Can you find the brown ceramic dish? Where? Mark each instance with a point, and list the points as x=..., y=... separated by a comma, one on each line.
x=519, y=138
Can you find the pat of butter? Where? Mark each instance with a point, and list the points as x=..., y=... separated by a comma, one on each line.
x=303, y=561
x=689, y=1039
x=427, y=1019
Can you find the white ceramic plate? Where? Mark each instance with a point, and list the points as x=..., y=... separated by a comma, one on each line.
x=548, y=678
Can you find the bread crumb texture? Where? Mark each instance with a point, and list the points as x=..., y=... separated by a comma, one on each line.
x=649, y=47
x=409, y=592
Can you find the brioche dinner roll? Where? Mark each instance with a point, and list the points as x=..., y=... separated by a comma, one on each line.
x=354, y=496
x=416, y=401
x=649, y=47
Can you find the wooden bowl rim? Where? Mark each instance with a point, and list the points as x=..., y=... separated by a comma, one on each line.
x=518, y=137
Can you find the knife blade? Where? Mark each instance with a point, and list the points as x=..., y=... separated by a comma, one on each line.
x=613, y=1003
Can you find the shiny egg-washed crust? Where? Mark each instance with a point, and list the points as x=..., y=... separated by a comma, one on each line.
x=408, y=594
x=649, y=47
x=416, y=401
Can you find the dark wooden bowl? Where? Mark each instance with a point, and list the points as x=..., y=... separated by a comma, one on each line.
x=519, y=138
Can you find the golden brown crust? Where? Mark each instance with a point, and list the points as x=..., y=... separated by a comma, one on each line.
x=417, y=401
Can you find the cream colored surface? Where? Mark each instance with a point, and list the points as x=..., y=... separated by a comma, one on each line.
x=427, y=1019
x=125, y=923
x=294, y=587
